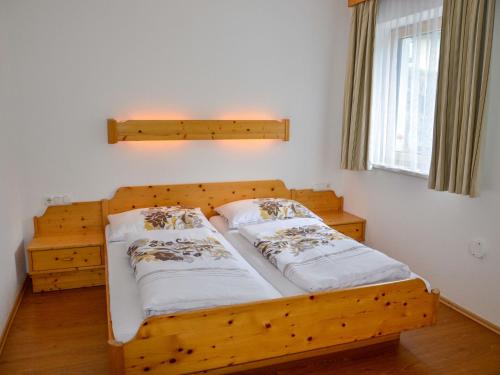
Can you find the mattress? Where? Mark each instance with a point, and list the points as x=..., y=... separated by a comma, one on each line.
x=261, y=264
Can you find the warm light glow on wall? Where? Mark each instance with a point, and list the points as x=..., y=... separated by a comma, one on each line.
x=232, y=145
x=246, y=145
x=154, y=146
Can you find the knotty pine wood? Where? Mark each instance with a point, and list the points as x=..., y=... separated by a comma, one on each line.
x=331, y=209
x=339, y=218
x=59, y=259
x=163, y=130
x=207, y=196
x=68, y=279
x=65, y=332
x=355, y=231
x=233, y=335
x=82, y=222
x=346, y=223
x=69, y=260
x=318, y=201
x=71, y=219
x=46, y=242
x=377, y=341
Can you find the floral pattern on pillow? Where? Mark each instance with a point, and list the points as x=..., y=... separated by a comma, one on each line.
x=279, y=209
x=171, y=218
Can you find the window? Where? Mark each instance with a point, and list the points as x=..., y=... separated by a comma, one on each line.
x=406, y=61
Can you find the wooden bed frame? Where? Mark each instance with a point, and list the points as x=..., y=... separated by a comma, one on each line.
x=233, y=338
x=239, y=337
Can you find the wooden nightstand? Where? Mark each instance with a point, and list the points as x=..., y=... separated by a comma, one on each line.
x=66, y=261
x=68, y=248
x=346, y=223
x=330, y=208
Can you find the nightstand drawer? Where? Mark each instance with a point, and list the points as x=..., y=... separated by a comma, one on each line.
x=65, y=258
x=59, y=280
x=355, y=231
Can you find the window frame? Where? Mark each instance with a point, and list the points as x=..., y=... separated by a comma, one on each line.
x=397, y=35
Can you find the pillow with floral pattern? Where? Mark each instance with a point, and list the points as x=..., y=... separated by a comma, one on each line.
x=155, y=218
x=259, y=210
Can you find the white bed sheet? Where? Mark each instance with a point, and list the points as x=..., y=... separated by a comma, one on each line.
x=256, y=260
x=125, y=302
x=262, y=265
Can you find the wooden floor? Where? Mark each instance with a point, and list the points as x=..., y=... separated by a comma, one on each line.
x=65, y=333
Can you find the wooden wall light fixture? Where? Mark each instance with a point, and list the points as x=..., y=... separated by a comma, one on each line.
x=170, y=130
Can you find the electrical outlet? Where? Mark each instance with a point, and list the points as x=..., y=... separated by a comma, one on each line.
x=476, y=249
x=57, y=200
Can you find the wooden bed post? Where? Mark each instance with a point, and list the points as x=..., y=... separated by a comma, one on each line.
x=116, y=359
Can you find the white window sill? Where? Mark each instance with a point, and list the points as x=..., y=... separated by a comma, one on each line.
x=401, y=171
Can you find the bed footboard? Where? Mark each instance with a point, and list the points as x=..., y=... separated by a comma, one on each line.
x=225, y=338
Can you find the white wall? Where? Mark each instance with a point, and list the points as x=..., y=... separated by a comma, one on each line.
x=12, y=268
x=12, y=265
x=430, y=230
x=74, y=63
x=80, y=62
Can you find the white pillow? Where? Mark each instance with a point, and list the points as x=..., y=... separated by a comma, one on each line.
x=154, y=218
x=253, y=211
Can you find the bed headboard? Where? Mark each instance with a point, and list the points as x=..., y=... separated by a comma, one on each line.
x=83, y=217
x=206, y=196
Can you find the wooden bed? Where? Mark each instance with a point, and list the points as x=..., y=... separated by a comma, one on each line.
x=238, y=337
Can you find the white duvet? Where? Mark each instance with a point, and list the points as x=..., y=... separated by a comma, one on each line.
x=315, y=257
x=179, y=270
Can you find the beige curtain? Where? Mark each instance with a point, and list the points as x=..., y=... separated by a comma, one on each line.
x=358, y=87
x=466, y=40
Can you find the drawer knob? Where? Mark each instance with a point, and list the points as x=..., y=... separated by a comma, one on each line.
x=67, y=259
